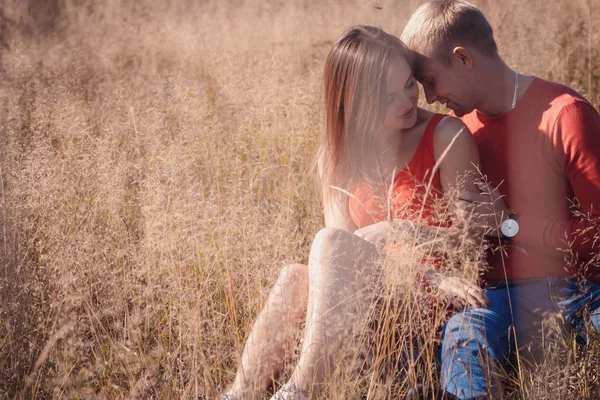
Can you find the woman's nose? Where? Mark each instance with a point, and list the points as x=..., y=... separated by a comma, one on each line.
x=405, y=103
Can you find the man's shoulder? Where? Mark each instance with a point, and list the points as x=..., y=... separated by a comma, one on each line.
x=560, y=103
x=555, y=94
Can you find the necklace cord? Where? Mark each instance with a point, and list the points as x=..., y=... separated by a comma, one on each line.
x=516, y=91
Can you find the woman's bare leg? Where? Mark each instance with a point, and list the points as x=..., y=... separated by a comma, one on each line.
x=342, y=268
x=274, y=334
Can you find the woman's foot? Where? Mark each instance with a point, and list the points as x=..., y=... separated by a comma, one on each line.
x=228, y=396
x=289, y=392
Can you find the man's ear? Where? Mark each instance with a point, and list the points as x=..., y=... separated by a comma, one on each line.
x=462, y=57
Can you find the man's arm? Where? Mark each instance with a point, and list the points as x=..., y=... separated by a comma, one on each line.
x=577, y=147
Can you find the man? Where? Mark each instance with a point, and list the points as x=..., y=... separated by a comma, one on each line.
x=539, y=142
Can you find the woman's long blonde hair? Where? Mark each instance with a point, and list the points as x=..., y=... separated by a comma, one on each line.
x=354, y=84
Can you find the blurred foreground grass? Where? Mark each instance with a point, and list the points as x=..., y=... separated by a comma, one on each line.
x=156, y=174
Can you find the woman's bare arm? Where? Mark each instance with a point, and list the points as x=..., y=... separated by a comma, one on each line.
x=457, y=155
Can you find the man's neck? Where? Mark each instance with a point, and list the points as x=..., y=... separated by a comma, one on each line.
x=496, y=88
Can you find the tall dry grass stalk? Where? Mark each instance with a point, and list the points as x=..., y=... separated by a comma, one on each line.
x=155, y=171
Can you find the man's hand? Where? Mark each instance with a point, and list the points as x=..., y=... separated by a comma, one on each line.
x=484, y=210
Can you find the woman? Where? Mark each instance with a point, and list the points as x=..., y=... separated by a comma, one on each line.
x=373, y=128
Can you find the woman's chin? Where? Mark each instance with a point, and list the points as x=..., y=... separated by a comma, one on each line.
x=403, y=123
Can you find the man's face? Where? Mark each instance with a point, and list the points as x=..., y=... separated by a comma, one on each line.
x=446, y=84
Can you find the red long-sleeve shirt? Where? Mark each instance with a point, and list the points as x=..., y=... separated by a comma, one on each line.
x=544, y=154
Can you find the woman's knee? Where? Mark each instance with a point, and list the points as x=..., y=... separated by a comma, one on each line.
x=326, y=248
x=331, y=236
x=290, y=292
x=293, y=274
x=334, y=242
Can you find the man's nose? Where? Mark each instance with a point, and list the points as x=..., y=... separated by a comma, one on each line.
x=430, y=95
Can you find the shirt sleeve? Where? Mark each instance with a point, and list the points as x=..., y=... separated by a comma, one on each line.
x=578, y=142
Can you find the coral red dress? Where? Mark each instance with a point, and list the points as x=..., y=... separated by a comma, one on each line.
x=415, y=192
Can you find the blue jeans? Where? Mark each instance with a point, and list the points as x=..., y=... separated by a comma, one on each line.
x=479, y=341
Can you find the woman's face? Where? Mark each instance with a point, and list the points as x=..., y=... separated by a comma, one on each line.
x=402, y=96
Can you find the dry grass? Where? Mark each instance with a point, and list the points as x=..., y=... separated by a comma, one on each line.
x=155, y=171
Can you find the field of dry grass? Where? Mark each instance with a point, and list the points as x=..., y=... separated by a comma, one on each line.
x=156, y=174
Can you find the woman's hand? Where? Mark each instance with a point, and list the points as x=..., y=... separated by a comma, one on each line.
x=376, y=234
x=461, y=292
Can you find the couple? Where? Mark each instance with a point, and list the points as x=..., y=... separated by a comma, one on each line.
x=538, y=140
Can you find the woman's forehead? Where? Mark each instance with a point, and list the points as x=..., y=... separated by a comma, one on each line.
x=398, y=67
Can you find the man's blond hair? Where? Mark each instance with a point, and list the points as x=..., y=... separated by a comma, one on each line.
x=440, y=25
